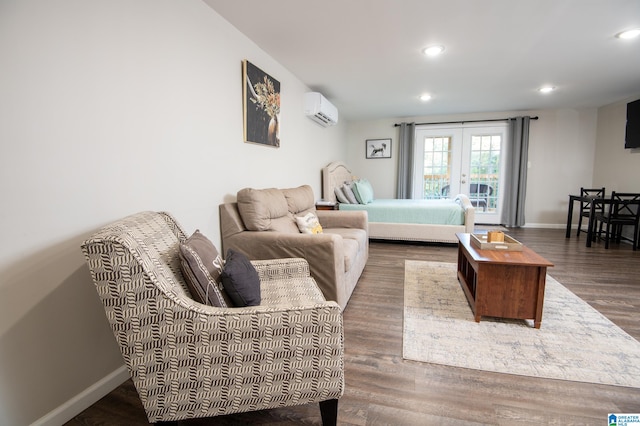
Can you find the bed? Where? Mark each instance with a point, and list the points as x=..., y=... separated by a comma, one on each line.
x=404, y=220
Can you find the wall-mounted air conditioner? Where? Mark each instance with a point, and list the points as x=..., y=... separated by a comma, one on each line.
x=319, y=109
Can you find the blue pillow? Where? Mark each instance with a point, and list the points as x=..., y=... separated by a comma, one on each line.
x=363, y=191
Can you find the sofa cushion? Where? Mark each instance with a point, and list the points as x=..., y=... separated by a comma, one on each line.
x=309, y=224
x=201, y=265
x=240, y=280
x=265, y=210
x=300, y=200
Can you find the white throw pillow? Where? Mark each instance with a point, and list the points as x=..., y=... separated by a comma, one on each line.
x=309, y=224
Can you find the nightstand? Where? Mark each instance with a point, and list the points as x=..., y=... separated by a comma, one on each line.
x=326, y=205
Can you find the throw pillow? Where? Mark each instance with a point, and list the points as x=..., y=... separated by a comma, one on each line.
x=340, y=195
x=240, y=280
x=309, y=224
x=363, y=191
x=348, y=192
x=201, y=265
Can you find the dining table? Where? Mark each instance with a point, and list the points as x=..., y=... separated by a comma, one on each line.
x=593, y=203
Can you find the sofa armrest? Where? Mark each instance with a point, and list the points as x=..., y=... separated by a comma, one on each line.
x=273, y=245
x=326, y=250
x=343, y=219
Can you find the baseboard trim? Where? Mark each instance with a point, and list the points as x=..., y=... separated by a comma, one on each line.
x=84, y=399
x=548, y=225
x=532, y=225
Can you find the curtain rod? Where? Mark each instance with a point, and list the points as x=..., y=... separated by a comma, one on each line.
x=466, y=121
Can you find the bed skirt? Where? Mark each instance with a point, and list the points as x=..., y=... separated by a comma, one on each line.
x=415, y=232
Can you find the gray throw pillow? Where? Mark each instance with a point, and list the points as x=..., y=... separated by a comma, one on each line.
x=201, y=266
x=348, y=192
x=340, y=195
x=240, y=280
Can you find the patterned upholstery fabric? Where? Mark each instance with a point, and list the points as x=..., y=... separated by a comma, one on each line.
x=190, y=360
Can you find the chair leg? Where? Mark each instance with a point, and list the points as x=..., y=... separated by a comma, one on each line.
x=579, y=224
x=607, y=236
x=329, y=412
x=597, y=231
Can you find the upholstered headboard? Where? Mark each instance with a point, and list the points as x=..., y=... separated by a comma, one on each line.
x=333, y=175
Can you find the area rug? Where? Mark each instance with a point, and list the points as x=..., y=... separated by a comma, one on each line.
x=575, y=342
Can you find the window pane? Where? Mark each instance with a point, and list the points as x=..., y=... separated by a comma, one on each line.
x=485, y=158
x=437, y=165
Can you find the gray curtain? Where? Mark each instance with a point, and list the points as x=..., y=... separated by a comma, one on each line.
x=406, y=150
x=515, y=179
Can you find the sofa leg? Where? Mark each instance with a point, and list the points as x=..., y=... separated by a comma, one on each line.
x=329, y=412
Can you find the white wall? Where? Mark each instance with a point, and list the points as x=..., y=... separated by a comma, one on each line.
x=561, y=153
x=109, y=108
x=616, y=168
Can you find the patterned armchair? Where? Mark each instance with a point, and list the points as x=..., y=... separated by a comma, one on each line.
x=190, y=360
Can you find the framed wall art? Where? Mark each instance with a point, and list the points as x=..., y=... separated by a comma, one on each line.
x=378, y=148
x=261, y=106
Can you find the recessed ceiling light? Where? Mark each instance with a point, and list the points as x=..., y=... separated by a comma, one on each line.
x=629, y=34
x=433, y=50
x=546, y=89
x=425, y=97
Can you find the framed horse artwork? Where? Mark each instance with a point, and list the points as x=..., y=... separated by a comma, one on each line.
x=378, y=148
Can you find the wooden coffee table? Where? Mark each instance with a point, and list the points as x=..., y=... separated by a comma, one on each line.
x=503, y=284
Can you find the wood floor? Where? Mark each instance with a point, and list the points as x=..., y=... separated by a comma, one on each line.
x=384, y=389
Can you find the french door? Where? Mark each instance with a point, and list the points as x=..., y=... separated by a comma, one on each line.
x=467, y=159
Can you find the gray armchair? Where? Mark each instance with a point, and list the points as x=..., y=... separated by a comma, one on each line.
x=190, y=360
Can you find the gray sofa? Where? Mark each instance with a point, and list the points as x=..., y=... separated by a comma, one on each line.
x=261, y=224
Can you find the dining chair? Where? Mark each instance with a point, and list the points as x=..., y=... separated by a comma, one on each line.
x=585, y=206
x=623, y=209
x=479, y=194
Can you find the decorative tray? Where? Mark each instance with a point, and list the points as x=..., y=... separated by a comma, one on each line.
x=509, y=243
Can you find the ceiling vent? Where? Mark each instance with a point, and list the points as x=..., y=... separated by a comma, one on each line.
x=320, y=110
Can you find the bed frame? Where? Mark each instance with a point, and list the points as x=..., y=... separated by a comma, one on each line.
x=337, y=173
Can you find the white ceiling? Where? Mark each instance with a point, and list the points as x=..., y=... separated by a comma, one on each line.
x=365, y=55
